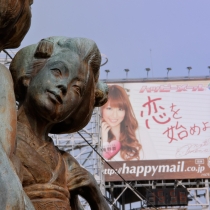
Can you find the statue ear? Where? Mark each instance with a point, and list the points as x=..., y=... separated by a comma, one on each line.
x=25, y=81
x=101, y=94
x=21, y=88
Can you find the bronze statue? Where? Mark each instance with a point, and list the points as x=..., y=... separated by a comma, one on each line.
x=56, y=84
x=15, y=18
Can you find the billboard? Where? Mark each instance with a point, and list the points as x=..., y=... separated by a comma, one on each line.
x=157, y=130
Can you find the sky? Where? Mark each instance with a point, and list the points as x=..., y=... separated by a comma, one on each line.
x=134, y=35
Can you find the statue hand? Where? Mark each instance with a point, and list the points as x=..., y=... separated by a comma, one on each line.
x=84, y=184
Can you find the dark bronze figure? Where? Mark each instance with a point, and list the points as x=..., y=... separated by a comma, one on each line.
x=15, y=21
x=56, y=84
x=15, y=18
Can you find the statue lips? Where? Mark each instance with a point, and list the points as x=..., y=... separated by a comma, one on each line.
x=54, y=96
x=110, y=149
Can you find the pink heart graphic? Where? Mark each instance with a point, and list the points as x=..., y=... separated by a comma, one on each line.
x=110, y=149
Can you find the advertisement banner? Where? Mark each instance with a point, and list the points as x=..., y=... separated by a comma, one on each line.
x=157, y=130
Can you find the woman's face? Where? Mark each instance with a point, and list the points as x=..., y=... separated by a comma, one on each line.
x=59, y=87
x=113, y=115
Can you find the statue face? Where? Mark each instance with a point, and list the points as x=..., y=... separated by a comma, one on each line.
x=62, y=85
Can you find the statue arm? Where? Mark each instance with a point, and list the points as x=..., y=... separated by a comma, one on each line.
x=81, y=182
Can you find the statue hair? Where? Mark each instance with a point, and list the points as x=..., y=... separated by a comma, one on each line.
x=86, y=49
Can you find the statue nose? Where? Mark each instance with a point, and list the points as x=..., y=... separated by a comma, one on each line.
x=63, y=88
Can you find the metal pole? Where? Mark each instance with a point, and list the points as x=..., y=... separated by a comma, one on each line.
x=107, y=72
x=126, y=70
x=209, y=70
x=168, y=69
x=207, y=195
x=147, y=69
x=189, y=68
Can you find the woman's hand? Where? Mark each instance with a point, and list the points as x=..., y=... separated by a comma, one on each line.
x=105, y=130
x=110, y=149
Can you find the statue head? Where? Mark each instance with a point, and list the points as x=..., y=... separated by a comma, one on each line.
x=58, y=77
x=15, y=21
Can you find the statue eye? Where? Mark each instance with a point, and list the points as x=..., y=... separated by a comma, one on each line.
x=56, y=72
x=78, y=87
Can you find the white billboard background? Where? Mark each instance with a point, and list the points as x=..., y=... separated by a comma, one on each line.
x=178, y=123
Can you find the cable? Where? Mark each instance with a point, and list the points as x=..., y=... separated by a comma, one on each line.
x=111, y=203
x=7, y=54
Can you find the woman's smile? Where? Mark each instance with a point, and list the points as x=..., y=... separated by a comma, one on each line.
x=113, y=121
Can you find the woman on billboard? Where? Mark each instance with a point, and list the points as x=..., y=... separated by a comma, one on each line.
x=123, y=140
